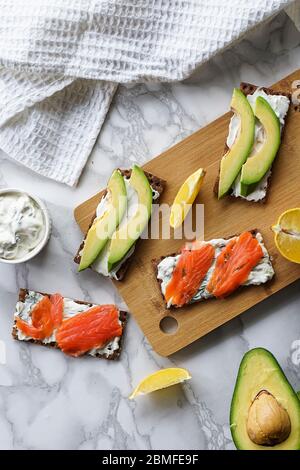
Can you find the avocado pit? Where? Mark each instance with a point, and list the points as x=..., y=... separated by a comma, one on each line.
x=268, y=423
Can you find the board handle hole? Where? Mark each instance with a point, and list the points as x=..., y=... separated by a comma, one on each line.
x=168, y=325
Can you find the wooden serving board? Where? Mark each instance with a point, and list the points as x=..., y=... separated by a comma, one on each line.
x=222, y=219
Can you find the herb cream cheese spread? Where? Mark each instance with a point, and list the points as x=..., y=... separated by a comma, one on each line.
x=22, y=225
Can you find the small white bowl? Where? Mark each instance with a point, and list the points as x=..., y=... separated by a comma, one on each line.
x=47, y=221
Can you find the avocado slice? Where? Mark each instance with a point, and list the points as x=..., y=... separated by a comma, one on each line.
x=105, y=225
x=233, y=160
x=264, y=406
x=123, y=239
x=257, y=165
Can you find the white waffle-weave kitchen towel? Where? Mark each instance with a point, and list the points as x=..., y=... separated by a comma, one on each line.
x=61, y=61
x=294, y=12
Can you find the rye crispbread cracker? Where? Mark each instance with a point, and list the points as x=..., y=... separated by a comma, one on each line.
x=155, y=262
x=158, y=185
x=249, y=89
x=115, y=355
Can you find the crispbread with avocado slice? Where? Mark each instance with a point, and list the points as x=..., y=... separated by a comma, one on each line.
x=157, y=184
x=249, y=89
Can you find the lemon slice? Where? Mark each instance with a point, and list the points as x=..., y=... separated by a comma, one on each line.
x=287, y=234
x=185, y=198
x=161, y=379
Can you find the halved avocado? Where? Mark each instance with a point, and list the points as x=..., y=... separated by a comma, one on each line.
x=105, y=225
x=257, y=165
x=233, y=160
x=123, y=239
x=265, y=410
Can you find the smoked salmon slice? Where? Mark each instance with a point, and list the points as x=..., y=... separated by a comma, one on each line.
x=29, y=330
x=57, y=309
x=93, y=328
x=190, y=270
x=234, y=264
x=41, y=319
x=46, y=315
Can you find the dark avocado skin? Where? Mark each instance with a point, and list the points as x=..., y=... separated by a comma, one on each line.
x=237, y=399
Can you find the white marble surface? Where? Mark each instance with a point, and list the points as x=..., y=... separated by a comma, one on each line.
x=48, y=401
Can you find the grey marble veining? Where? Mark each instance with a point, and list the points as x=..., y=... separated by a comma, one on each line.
x=49, y=401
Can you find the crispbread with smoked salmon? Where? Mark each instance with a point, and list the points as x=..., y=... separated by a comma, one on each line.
x=238, y=261
x=110, y=351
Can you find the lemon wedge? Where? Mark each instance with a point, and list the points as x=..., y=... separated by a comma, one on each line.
x=185, y=198
x=161, y=379
x=287, y=235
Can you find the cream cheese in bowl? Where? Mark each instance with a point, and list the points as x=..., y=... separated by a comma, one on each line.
x=24, y=226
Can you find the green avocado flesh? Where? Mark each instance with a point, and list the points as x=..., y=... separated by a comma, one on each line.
x=233, y=160
x=257, y=165
x=124, y=238
x=259, y=371
x=105, y=225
